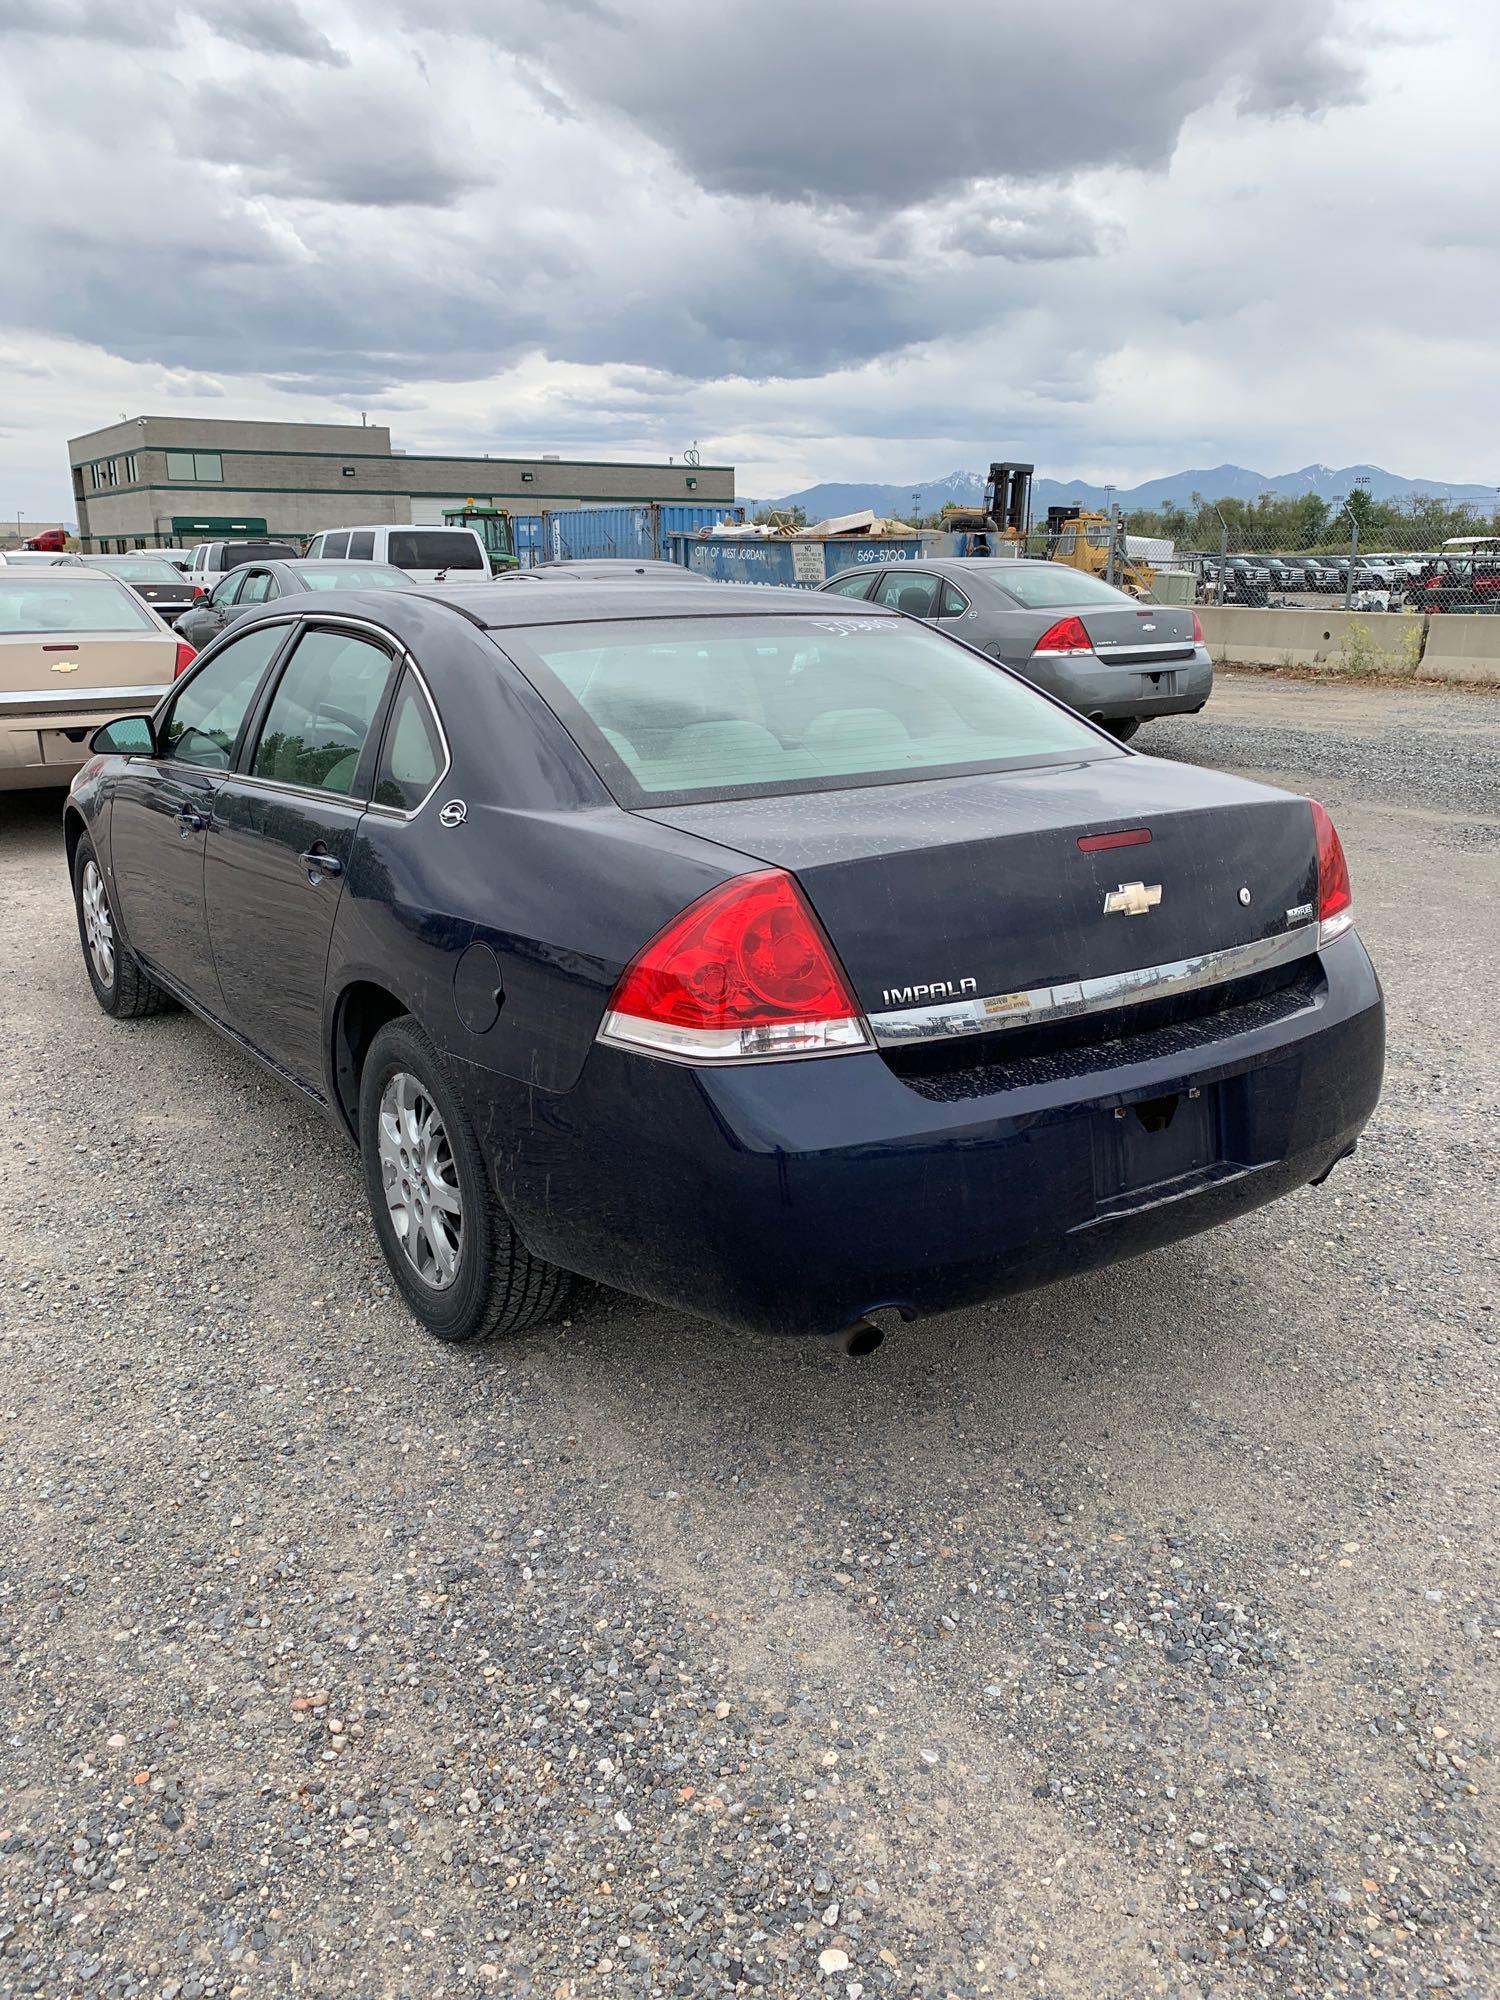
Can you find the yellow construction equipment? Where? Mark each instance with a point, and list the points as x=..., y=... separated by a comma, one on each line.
x=1082, y=541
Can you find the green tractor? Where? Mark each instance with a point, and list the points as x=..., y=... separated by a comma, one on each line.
x=495, y=531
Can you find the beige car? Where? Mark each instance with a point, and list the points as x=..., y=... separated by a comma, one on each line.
x=76, y=648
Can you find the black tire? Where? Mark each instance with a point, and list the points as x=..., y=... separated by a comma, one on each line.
x=129, y=993
x=1123, y=727
x=497, y=1286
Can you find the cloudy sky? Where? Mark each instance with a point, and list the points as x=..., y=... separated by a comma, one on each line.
x=827, y=240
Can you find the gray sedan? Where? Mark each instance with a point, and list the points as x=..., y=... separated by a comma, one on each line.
x=1115, y=659
x=254, y=584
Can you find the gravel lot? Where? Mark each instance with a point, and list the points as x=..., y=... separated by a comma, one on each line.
x=1137, y=1636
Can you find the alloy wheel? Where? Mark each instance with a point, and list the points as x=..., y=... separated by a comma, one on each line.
x=98, y=925
x=420, y=1180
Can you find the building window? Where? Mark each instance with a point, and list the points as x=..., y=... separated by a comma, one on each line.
x=130, y=472
x=195, y=465
x=527, y=477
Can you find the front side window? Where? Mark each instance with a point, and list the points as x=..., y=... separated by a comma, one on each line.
x=434, y=548
x=673, y=710
x=227, y=588
x=915, y=595
x=205, y=719
x=320, y=716
x=413, y=755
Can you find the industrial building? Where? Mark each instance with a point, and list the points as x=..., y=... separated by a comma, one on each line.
x=172, y=481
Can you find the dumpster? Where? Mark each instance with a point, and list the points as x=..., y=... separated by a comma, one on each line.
x=805, y=561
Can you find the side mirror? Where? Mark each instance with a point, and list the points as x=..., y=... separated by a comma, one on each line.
x=130, y=736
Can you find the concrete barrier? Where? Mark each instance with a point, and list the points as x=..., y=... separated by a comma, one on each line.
x=1462, y=648
x=1384, y=642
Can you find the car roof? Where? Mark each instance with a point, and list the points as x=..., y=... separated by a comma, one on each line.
x=70, y=573
x=494, y=606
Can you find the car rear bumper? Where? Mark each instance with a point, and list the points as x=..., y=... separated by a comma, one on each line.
x=795, y=1197
x=1101, y=687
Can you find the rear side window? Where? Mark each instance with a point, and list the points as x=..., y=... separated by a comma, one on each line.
x=413, y=754
x=320, y=716
x=205, y=719
x=672, y=710
x=433, y=548
x=913, y=594
x=362, y=545
x=855, y=585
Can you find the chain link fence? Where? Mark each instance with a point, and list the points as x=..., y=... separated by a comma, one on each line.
x=1427, y=555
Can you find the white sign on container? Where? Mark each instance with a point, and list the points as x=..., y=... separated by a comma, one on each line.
x=807, y=562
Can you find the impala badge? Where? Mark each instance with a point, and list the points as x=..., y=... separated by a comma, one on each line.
x=65, y=666
x=1132, y=899
x=454, y=813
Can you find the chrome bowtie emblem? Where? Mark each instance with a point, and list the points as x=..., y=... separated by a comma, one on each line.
x=65, y=666
x=1132, y=899
x=454, y=813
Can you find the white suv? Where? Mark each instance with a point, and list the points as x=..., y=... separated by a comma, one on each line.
x=213, y=560
x=428, y=555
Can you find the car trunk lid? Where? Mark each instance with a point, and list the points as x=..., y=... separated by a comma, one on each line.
x=973, y=887
x=56, y=668
x=1135, y=635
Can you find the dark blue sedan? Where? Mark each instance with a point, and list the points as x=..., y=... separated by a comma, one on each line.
x=773, y=958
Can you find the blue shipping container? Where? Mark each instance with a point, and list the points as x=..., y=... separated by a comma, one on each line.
x=586, y=534
x=804, y=563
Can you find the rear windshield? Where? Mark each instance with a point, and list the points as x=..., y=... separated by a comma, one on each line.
x=1044, y=585
x=236, y=553
x=435, y=548
x=138, y=569
x=70, y=607
x=353, y=576
x=673, y=710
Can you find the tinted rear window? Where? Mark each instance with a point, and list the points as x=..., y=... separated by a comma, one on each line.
x=353, y=576
x=672, y=710
x=236, y=553
x=434, y=548
x=1041, y=586
x=70, y=607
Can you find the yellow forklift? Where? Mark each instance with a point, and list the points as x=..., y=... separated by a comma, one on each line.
x=1000, y=526
x=1089, y=541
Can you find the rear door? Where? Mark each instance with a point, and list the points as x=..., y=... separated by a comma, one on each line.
x=284, y=829
x=162, y=808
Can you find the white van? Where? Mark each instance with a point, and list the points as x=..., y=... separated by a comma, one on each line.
x=428, y=555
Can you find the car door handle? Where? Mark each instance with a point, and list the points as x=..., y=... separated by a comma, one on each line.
x=189, y=821
x=318, y=863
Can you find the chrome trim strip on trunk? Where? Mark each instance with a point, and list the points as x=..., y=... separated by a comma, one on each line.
x=1164, y=649
x=106, y=697
x=1089, y=996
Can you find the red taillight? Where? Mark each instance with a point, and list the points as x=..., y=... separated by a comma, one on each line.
x=1066, y=636
x=1197, y=630
x=199, y=591
x=186, y=655
x=744, y=971
x=1335, y=897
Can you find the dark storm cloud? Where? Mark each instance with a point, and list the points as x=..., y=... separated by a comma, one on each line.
x=339, y=142
x=874, y=106
x=271, y=27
